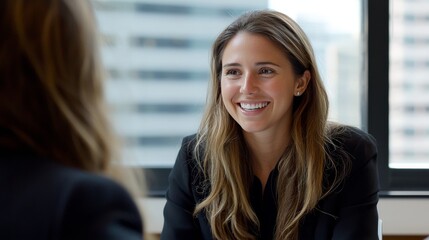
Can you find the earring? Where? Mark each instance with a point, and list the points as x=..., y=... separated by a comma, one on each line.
x=298, y=93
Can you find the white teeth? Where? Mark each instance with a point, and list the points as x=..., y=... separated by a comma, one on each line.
x=253, y=106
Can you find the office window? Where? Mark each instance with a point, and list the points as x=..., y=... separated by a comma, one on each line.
x=409, y=84
x=397, y=75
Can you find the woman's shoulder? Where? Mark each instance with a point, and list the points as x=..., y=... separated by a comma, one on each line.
x=189, y=141
x=83, y=180
x=188, y=167
x=187, y=149
x=359, y=145
x=97, y=203
x=72, y=186
x=93, y=187
x=352, y=138
x=71, y=197
x=67, y=177
x=87, y=188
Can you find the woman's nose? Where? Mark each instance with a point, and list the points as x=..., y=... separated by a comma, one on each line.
x=249, y=84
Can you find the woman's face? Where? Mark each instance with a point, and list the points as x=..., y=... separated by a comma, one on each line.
x=258, y=84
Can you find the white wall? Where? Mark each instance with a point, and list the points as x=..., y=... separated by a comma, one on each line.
x=400, y=216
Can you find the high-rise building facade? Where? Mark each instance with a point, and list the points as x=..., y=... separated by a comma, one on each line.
x=409, y=84
x=339, y=58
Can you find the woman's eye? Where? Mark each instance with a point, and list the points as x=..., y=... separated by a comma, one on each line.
x=266, y=71
x=231, y=72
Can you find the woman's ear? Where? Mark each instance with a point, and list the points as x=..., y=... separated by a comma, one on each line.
x=302, y=83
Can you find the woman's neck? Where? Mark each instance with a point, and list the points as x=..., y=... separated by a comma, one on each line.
x=265, y=152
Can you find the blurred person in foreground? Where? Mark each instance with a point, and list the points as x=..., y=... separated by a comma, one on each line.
x=57, y=148
x=265, y=163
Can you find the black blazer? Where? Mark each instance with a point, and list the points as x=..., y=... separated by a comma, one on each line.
x=349, y=212
x=40, y=199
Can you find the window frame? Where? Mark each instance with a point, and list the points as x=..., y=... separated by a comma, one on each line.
x=393, y=182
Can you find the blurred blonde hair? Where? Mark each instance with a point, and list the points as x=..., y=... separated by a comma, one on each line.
x=301, y=168
x=52, y=99
x=51, y=72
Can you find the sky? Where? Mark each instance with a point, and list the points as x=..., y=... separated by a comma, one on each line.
x=340, y=15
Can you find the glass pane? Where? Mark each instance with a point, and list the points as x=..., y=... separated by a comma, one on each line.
x=409, y=84
x=157, y=57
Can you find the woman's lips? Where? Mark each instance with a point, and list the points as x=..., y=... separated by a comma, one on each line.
x=252, y=106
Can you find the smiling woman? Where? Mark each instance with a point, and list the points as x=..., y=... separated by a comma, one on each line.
x=265, y=162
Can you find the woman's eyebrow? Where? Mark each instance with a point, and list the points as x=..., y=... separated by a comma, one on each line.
x=231, y=65
x=257, y=64
x=267, y=63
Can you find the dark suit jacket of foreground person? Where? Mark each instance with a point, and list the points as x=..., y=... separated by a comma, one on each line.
x=348, y=213
x=40, y=199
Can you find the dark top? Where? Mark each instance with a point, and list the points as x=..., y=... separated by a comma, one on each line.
x=349, y=212
x=40, y=199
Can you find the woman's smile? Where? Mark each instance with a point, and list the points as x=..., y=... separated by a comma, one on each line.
x=249, y=107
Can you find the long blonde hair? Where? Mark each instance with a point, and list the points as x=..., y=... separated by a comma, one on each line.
x=52, y=99
x=301, y=168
